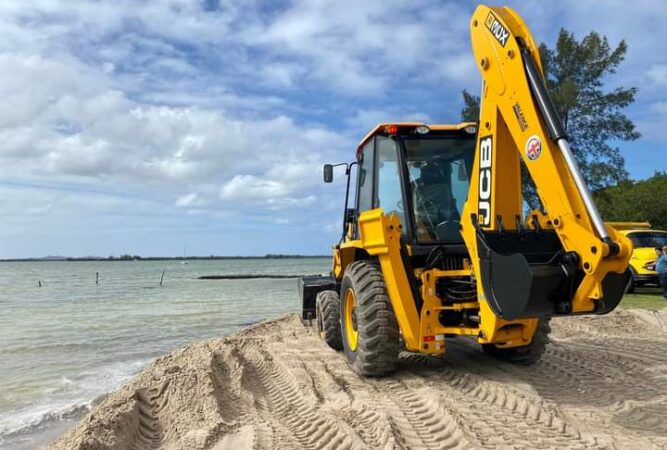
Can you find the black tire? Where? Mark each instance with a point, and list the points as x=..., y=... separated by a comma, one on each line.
x=377, y=342
x=527, y=355
x=327, y=310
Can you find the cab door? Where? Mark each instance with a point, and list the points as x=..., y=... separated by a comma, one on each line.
x=366, y=178
x=379, y=180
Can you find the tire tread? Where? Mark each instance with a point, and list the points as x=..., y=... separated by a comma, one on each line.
x=328, y=305
x=378, y=345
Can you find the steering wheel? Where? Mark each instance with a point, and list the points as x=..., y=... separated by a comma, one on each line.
x=448, y=230
x=426, y=204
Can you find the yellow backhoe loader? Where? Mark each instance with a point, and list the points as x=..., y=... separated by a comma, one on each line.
x=437, y=242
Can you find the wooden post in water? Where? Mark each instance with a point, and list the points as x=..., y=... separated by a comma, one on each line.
x=161, y=277
x=97, y=277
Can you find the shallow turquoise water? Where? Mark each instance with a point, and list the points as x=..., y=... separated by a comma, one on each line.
x=69, y=341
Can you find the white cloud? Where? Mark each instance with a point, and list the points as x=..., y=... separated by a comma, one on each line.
x=250, y=187
x=660, y=107
x=359, y=48
x=190, y=200
x=271, y=194
x=77, y=126
x=197, y=114
x=657, y=73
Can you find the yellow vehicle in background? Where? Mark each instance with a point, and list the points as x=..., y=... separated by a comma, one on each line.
x=645, y=241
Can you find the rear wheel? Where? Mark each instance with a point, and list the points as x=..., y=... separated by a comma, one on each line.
x=327, y=310
x=526, y=355
x=370, y=331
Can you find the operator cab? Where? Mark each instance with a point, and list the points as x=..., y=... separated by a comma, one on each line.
x=419, y=173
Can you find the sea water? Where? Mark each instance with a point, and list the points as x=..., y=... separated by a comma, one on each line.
x=69, y=341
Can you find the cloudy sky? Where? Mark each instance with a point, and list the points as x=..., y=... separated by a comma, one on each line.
x=148, y=127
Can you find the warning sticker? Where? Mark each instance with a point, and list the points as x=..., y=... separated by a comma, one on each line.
x=533, y=148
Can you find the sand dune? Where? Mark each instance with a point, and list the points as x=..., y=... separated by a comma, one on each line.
x=601, y=384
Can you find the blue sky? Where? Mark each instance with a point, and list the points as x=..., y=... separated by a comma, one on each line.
x=146, y=127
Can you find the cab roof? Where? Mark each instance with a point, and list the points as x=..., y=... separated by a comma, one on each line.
x=383, y=127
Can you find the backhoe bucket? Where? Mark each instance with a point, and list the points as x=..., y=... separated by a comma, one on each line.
x=526, y=274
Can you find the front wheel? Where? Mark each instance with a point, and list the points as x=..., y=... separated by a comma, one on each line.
x=528, y=354
x=370, y=331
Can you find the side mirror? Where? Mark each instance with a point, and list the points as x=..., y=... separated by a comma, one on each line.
x=328, y=173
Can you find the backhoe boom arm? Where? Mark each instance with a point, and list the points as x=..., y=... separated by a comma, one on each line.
x=564, y=260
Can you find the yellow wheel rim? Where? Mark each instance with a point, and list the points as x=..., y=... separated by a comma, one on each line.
x=351, y=333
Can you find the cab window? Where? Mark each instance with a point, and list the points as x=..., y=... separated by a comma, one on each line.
x=365, y=178
x=389, y=196
x=439, y=171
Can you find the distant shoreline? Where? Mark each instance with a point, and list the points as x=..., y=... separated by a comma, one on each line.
x=156, y=258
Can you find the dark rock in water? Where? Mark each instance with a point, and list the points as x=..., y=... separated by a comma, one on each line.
x=245, y=277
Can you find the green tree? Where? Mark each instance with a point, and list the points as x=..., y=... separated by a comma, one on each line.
x=574, y=73
x=470, y=111
x=641, y=201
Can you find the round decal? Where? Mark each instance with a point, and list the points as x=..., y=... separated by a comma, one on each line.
x=533, y=148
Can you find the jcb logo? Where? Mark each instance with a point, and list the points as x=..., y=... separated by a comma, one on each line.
x=497, y=29
x=484, y=194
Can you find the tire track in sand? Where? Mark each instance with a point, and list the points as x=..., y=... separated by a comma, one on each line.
x=492, y=413
x=497, y=415
x=149, y=430
x=266, y=433
x=422, y=422
x=281, y=400
x=603, y=378
x=580, y=391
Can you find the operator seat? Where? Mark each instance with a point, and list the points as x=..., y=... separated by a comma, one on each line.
x=432, y=196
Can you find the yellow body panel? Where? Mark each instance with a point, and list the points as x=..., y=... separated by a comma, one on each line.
x=380, y=236
x=343, y=255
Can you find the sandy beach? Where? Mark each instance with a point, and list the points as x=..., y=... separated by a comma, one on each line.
x=275, y=385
